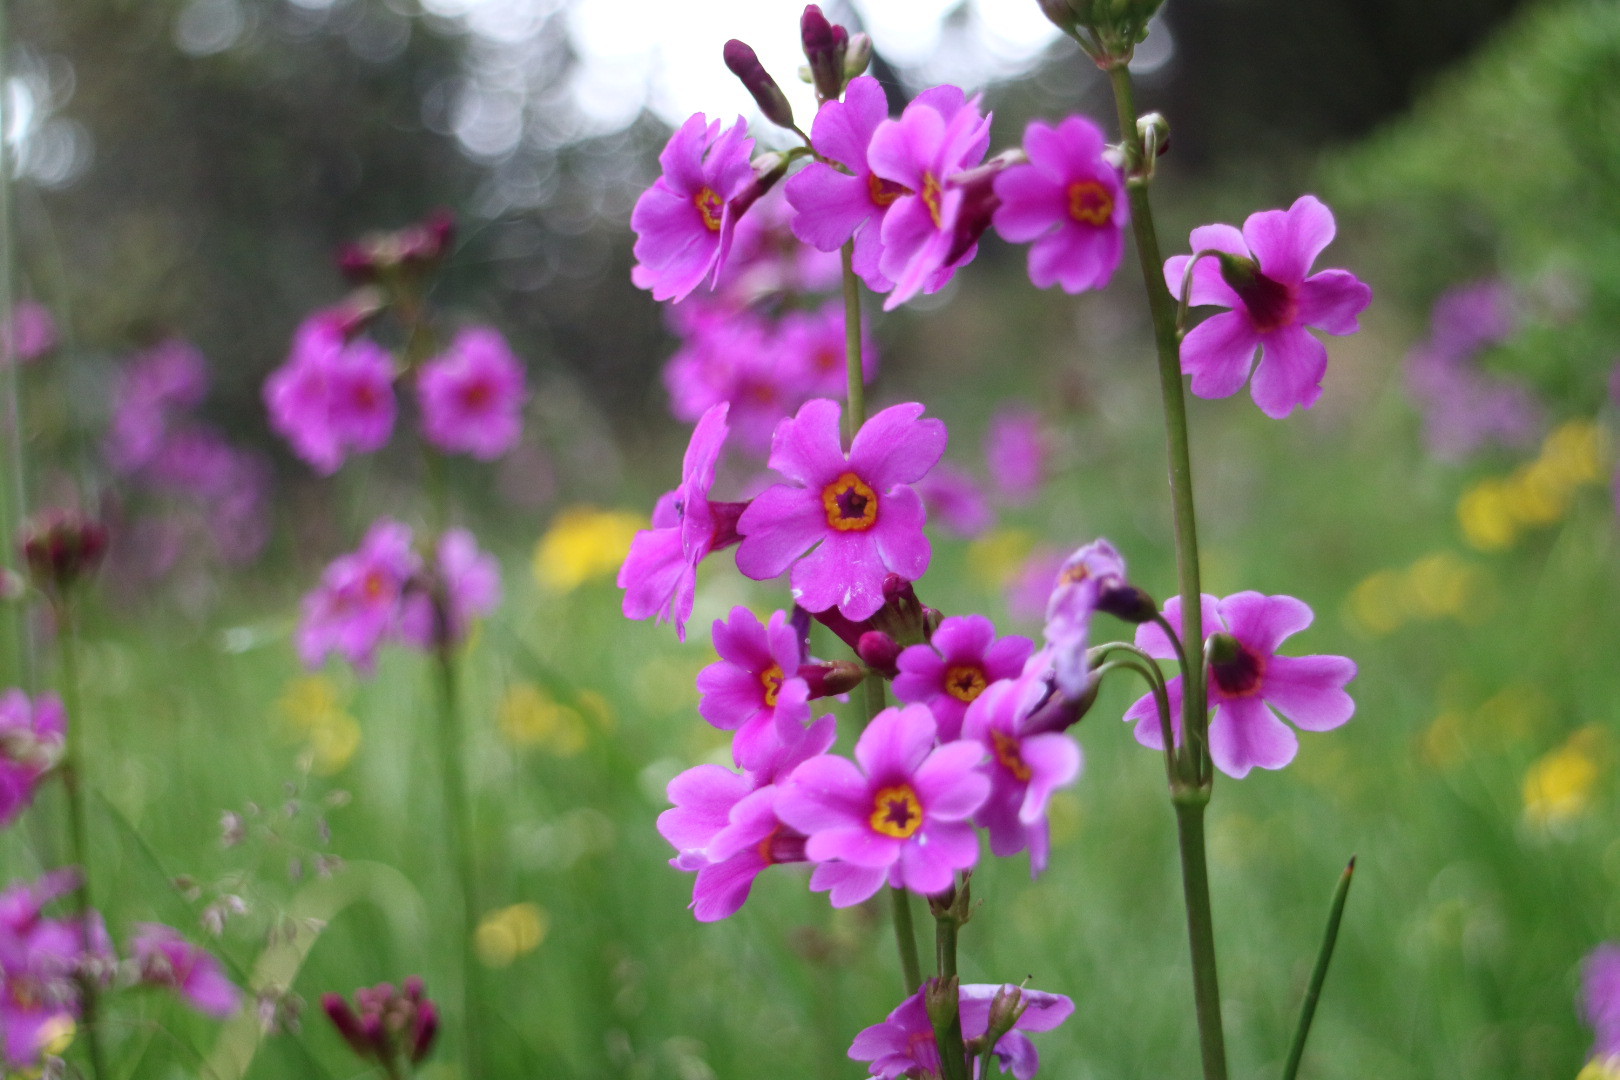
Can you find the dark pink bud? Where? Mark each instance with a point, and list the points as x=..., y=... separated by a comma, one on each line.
x=768, y=171
x=979, y=203
x=831, y=677
x=413, y=988
x=848, y=632
x=879, y=651
x=62, y=546
x=357, y=263
x=1129, y=603
x=347, y=1024
x=427, y=1029
x=824, y=45
x=744, y=64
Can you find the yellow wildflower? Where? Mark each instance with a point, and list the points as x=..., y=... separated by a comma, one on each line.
x=1486, y=518
x=582, y=544
x=1558, y=788
x=531, y=717
x=313, y=709
x=509, y=933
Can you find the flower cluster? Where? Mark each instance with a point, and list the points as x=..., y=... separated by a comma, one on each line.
x=32, y=731
x=392, y=1027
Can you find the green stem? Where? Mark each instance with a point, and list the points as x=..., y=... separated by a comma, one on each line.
x=948, y=1034
x=905, y=936
x=1324, y=956
x=1201, y=934
x=13, y=494
x=855, y=414
x=458, y=824
x=78, y=826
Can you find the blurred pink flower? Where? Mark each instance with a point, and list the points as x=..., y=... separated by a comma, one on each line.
x=472, y=395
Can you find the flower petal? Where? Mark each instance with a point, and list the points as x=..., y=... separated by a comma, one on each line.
x=1245, y=735
x=1309, y=690
x=1287, y=242
x=1290, y=373
x=1218, y=354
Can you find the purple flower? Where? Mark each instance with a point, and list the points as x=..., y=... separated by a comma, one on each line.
x=766, y=259
x=472, y=395
x=1026, y=763
x=901, y=814
x=1248, y=687
x=659, y=576
x=1082, y=581
x=954, y=668
x=858, y=511
x=684, y=222
x=165, y=958
x=1600, y=998
x=1261, y=275
x=30, y=335
x=463, y=584
x=834, y=205
x=810, y=345
x=394, y=1029
x=952, y=496
x=156, y=386
x=754, y=688
x=1070, y=200
x=904, y=1046
x=1015, y=451
x=41, y=960
x=333, y=396
x=357, y=602
x=31, y=737
x=939, y=135
x=731, y=358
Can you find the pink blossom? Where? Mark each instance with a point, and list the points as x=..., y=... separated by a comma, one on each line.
x=31, y=737
x=857, y=510
x=754, y=688
x=1251, y=685
x=1015, y=451
x=41, y=961
x=356, y=605
x=1070, y=201
x=464, y=583
x=30, y=335
x=165, y=958
x=961, y=660
x=1261, y=274
x=156, y=388
x=954, y=498
x=731, y=359
x=333, y=396
x=903, y=1045
x=1082, y=582
x=811, y=345
x=684, y=222
x=900, y=814
x=472, y=395
x=1600, y=998
x=767, y=259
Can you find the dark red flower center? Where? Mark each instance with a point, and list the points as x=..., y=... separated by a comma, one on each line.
x=1241, y=674
x=896, y=811
x=851, y=505
x=1090, y=203
x=477, y=395
x=711, y=206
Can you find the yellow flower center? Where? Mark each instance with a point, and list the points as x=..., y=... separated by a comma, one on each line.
x=884, y=191
x=1007, y=753
x=771, y=680
x=1090, y=202
x=710, y=206
x=851, y=505
x=896, y=811
x=930, y=197
x=964, y=682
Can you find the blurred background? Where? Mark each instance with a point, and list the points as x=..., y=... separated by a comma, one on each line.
x=187, y=168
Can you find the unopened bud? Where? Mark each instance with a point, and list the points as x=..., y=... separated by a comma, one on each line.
x=857, y=55
x=347, y=1024
x=427, y=1029
x=879, y=651
x=979, y=203
x=769, y=168
x=744, y=63
x=824, y=46
x=832, y=677
x=1129, y=603
x=1006, y=1007
x=62, y=546
x=943, y=999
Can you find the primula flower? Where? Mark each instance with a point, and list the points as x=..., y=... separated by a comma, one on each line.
x=1600, y=999
x=1261, y=274
x=731, y=359
x=472, y=395
x=165, y=958
x=1248, y=688
x=684, y=222
x=1027, y=763
x=659, y=576
x=900, y=815
x=904, y=1045
x=41, y=961
x=754, y=688
x=357, y=602
x=465, y=580
x=858, y=511
x=158, y=385
x=1082, y=582
x=811, y=344
x=1015, y=451
x=953, y=497
x=333, y=396
x=940, y=134
x=1070, y=201
x=31, y=737
x=949, y=673
x=767, y=259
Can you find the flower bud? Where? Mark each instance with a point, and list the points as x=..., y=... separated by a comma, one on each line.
x=879, y=651
x=1005, y=1009
x=824, y=46
x=62, y=546
x=1117, y=26
x=769, y=168
x=831, y=677
x=347, y=1024
x=979, y=203
x=744, y=63
x=857, y=56
x=943, y=998
x=427, y=1029
x=1127, y=602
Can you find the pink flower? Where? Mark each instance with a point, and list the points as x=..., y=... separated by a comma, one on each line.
x=952, y=496
x=834, y=205
x=904, y=1045
x=472, y=395
x=1261, y=275
x=901, y=814
x=857, y=511
x=1249, y=685
x=940, y=134
x=767, y=259
x=41, y=961
x=332, y=397
x=1082, y=582
x=754, y=688
x=731, y=359
x=31, y=737
x=1027, y=763
x=357, y=602
x=164, y=958
x=1600, y=998
x=1070, y=200
x=463, y=584
x=1015, y=450
x=659, y=576
x=30, y=335
x=684, y=222
x=963, y=658
x=810, y=345
x=157, y=386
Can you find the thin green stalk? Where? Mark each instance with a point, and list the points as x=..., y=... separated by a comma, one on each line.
x=458, y=824
x=948, y=1034
x=78, y=826
x=905, y=936
x=13, y=493
x=1324, y=956
x=1201, y=935
x=855, y=413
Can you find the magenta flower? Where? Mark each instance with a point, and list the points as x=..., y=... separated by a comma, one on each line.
x=810, y=345
x=333, y=396
x=357, y=602
x=472, y=395
x=41, y=961
x=659, y=576
x=955, y=667
x=157, y=386
x=30, y=335
x=1261, y=276
x=754, y=688
x=1600, y=998
x=165, y=958
x=31, y=737
x=1466, y=409
x=858, y=511
x=1026, y=762
x=939, y=135
x=684, y=222
x=465, y=581
x=766, y=259
x=834, y=205
x=903, y=810
x=1015, y=450
x=904, y=1046
x=731, y=358
x=1070, y=201
x=952, y=497
x=1251, y=685
x=393, y=1028
x=1083, y=580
